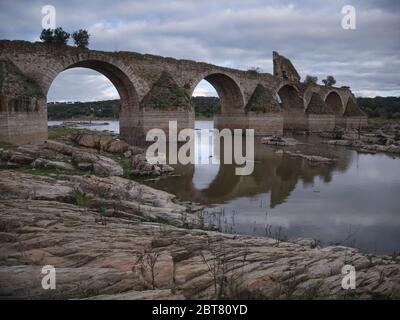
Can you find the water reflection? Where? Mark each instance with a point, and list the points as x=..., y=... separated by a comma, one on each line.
x=353, y=201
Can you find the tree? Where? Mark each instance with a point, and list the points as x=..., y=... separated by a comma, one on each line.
x=329, y=81
x=81, y=38
x=310, y=80
x=61, y=36
x=57, y=36
x=254, y=70
x=47, y=36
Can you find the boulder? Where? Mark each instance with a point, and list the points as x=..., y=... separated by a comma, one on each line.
x=104, y=142
x=101, y=165
x=142, y=167
x=44, y=163
x=280, y=141
x=16, y=157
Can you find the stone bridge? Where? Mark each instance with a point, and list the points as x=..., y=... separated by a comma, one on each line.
x=154, y=90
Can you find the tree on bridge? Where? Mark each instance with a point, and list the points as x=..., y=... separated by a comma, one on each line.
x=81, y=38
x=329, y=81
x=310, y=80
x=57, y=36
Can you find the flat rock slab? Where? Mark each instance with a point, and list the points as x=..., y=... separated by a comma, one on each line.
x=111, y=260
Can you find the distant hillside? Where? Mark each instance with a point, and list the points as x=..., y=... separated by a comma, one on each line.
x=96, y=109
x=385, y=107
x=204, y=106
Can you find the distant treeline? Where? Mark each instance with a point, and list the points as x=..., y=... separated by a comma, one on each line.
x=385, y=107
x=95, y=109
x=204, y=107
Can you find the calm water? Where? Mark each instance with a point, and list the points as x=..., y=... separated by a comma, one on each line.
x=355, y=201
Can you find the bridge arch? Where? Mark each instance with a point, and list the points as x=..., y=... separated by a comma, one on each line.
x=334, y=101
x=290, y=98
x=122, y=79
x=229, y=91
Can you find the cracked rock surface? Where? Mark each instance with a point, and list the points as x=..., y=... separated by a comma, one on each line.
x=126, y=253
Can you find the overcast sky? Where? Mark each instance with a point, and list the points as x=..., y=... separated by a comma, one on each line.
x=238, y=34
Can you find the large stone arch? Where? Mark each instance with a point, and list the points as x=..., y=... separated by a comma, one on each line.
x=120, y=75
x=232, y=97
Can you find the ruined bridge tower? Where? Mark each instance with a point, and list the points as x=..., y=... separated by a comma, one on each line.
x=154, y=90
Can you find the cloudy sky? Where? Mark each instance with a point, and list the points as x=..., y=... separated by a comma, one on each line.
x=235, y=33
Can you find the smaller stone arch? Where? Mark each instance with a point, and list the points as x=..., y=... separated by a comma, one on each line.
x=335, y=102
x=229, y=91
x=290, y=96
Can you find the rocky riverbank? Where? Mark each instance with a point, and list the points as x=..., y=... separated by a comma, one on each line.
x=110, y=237
x=371, y=140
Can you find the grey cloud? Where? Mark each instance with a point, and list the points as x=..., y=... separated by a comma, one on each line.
x=239, y=34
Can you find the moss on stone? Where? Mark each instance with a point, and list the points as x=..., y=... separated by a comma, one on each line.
x=262, y=100
x=14, y=83
x=318, y=106
x=166, y=94
x=55, y=133
x=353, y=110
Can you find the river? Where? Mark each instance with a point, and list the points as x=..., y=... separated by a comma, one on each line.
x=353, y=202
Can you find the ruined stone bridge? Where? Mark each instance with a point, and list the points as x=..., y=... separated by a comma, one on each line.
x=154, y=90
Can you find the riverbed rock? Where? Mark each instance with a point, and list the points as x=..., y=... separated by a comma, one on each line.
x=113, y=260
x=142, y=167
x=44, y=163
x=280, y=141
x=16, y=157
x=59, y=147
x=125, y=197
x=364, y=147
x=102, y=166
x=311, y=158
x=104, y=142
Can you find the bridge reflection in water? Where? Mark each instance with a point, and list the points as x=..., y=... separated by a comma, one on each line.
x=286, y=196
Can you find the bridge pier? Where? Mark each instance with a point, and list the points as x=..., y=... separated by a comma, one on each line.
x=262, y=123
x=22, y=120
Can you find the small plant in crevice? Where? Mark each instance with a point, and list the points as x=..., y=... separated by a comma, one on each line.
x=227, y=272
x=81, y=199
x=147, y=260
x=102, y=215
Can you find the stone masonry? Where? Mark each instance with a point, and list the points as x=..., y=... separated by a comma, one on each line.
x=154, y=90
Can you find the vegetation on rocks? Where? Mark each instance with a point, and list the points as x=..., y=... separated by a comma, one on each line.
x=262, y=100
x=352, y=109
x=56, y=132
x=14, y=82
x=166, y=94
x=318, y=106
